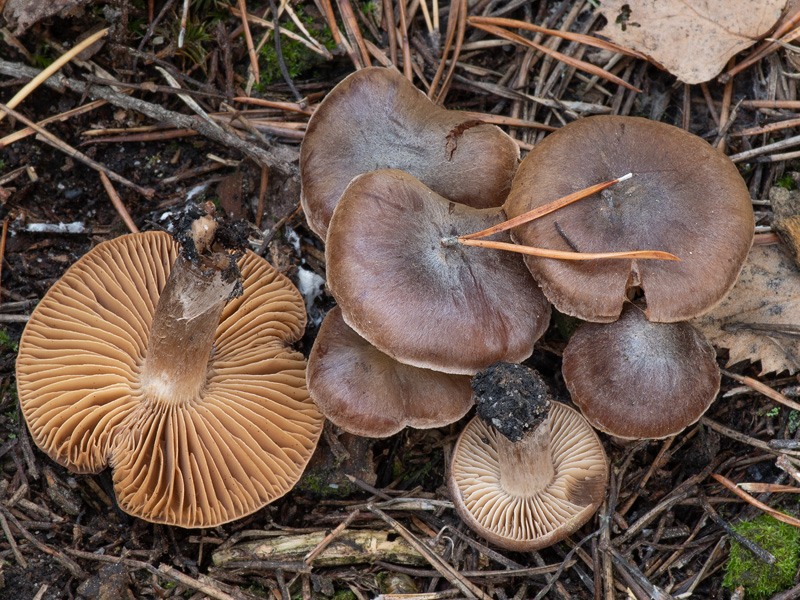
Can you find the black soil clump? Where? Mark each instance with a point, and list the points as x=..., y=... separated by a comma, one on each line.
x=512, y=398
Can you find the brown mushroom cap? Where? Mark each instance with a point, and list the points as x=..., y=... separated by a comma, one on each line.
x=366, y=392
x=637, y=379
x=195, y=463
x=376, y=119
x=538, y=518
x=450, y=308
x=685, y=197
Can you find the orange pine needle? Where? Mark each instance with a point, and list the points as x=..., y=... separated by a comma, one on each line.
x=562, y=255
x=768, y=488
x=573, y=62
x=249, y=40
x=567, y=35
x=750, y=500
x=471, y=239
x=541, y=211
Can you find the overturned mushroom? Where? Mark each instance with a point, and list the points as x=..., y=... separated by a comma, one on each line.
x=366, y=392
x=418, y=297
x=685, y=197
x=197, y=403
x=638, y=380
x=527, y=471
x=376, y=119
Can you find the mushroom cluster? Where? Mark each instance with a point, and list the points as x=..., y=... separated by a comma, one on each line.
x=686, y=198
x=174, y=367
x=416, y=315
x=420, y=309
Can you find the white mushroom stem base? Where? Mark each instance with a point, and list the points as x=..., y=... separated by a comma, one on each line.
x=175, y=369
x=532, y=493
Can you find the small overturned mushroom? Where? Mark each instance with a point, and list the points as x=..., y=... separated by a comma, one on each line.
x=197, y=402
x=527, y=471
x=685, y=197
x=636, y=379
x=366, y=392
x=376, y=119
x=417, y=297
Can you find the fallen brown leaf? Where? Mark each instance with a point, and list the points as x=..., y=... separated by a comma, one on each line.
x=760, y=318
x=24, y=13
x=691, y=40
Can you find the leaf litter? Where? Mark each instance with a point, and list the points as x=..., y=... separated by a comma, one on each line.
x=758, y=320
x=671, y=32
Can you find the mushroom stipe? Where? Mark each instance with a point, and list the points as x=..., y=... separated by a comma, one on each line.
x=544, y=482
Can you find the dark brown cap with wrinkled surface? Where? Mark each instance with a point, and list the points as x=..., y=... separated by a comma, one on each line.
x=376, y=119
x=637, y=379
x=685, y=197
x=196, y=462
x=444, y=307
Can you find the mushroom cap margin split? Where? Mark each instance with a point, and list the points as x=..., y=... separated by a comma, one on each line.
x=241, y=446
x=685, y=197
x=368, y=393
x=376, y=119
x=528, y=523
x=455, y=309
x=636, y=379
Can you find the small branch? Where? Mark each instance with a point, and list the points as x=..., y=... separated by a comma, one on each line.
x=767, y=391
x=277, y=157
x=308, y=558
x=117, y=202
x=12, y=543
x=782, y=462
x=445, y=569
x=249, y=39
x=567, y=559
x=757, y=503
x=279, y=52
x=760, y=552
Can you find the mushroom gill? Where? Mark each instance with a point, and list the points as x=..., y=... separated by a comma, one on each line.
x=202, y=424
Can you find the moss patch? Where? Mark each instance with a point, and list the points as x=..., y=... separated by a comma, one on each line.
x=759, y=579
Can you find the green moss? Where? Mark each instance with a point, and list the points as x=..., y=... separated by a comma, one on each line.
x=759, y=579
x=794, y=422
x=325, y=482
x=6, y=343
x=297, y=57
x=787, y=182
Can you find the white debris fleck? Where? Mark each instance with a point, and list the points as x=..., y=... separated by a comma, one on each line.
x=195, y=191
x=309, y=285
x=76, y=227
x=293, y=239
